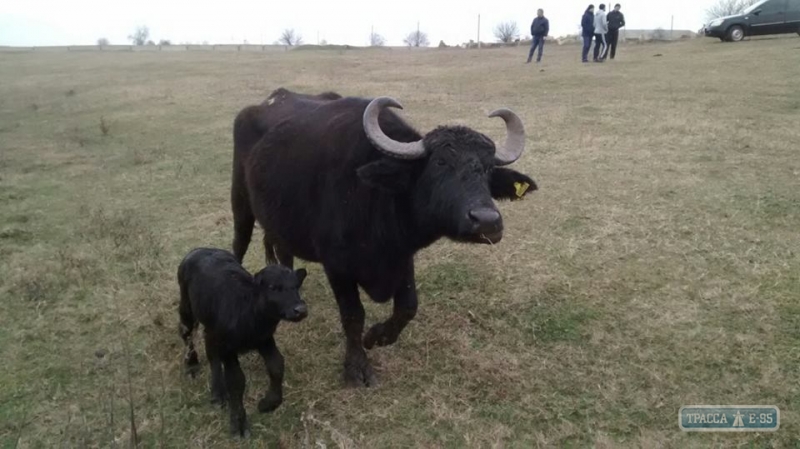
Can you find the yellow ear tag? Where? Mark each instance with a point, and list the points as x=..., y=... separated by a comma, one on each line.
x=521, y=188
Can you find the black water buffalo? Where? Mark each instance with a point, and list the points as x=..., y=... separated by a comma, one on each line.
x=240, y=313
x=347, y=183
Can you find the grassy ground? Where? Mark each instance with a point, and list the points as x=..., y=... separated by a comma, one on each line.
x=659, y=265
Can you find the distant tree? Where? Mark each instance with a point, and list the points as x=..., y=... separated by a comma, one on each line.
x=290, y=37
x=139, y=37
x=417, y=39
x=376, y=40
x=724, y=8
x=660, y=35
x=150, y=42
x=506, y=32
x=323, y=42
x=103, y=41
x=167, y=42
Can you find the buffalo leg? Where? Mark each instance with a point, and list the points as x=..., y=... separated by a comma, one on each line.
x=243, y=222
x=357, y=369
x=274, y=362
x=404, y=310
x=275, y=254
x=234, y=382
x=284, y=257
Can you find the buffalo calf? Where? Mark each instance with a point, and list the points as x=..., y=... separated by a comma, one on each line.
x=239, y=313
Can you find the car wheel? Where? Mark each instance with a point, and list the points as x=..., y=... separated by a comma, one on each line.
x=735, y=33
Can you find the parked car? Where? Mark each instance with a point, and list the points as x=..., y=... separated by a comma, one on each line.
x=763, y=18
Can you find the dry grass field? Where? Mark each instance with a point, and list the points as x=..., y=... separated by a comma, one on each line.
x=658, y=265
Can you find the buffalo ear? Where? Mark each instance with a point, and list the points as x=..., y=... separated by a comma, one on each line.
x=507, y=184
x=388, y=175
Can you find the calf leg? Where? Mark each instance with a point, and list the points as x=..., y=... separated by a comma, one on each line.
x=274, y=362
x=235, y=382
x=404, y=310
x=188, y=324
x=357, y=369
x=218, y=390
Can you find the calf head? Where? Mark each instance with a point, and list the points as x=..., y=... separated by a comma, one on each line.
x=279, y=292
x=452, y=174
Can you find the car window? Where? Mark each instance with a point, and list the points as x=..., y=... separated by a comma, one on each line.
x=773, y=6
x=754, y=7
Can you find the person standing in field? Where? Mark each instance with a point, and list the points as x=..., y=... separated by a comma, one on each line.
x=540, y=28
x=616, y=20
x=600, y=31
x=587, y=32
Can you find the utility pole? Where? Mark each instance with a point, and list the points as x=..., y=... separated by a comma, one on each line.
x=479, y=31
x=671, y=27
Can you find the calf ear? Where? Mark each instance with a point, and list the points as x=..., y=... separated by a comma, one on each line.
x=386, y=174
x=507, y=184
x=301, y=276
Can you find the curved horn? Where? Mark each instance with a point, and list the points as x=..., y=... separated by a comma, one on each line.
x=391, y=147
x=515, y=137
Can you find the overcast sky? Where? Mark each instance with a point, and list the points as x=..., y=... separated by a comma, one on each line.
x=61, y=22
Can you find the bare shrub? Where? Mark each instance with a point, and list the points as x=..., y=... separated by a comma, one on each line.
x=724, y=8
x=376, y=40
x=139, y=37
x=506, y=32
x=290, y=37
x=417, y=39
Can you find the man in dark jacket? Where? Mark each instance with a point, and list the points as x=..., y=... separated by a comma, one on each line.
x=540, y=28
x=587, y=31
x=616, y=20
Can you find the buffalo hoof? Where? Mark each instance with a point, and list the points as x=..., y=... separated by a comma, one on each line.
x=269, y=403
x=359, y=374
x=378, y=335
x=219, y=398
x=240, y=427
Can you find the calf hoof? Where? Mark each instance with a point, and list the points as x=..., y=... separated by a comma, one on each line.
x=358, y=375
x=192, y=369
x=269, y=403
x=378, y=335
x=240, y=427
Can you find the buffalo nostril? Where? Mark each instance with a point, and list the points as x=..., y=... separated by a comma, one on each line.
x=301, y=310
x=484, y=215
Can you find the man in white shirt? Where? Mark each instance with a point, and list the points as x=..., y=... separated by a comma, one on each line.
x=600, y=31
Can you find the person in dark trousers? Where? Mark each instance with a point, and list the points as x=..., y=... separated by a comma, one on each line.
x=600, y=31
x=616, y=20
x=587, y=31
x=540, y=28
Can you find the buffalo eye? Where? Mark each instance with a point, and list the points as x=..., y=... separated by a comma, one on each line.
x=440, y=162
